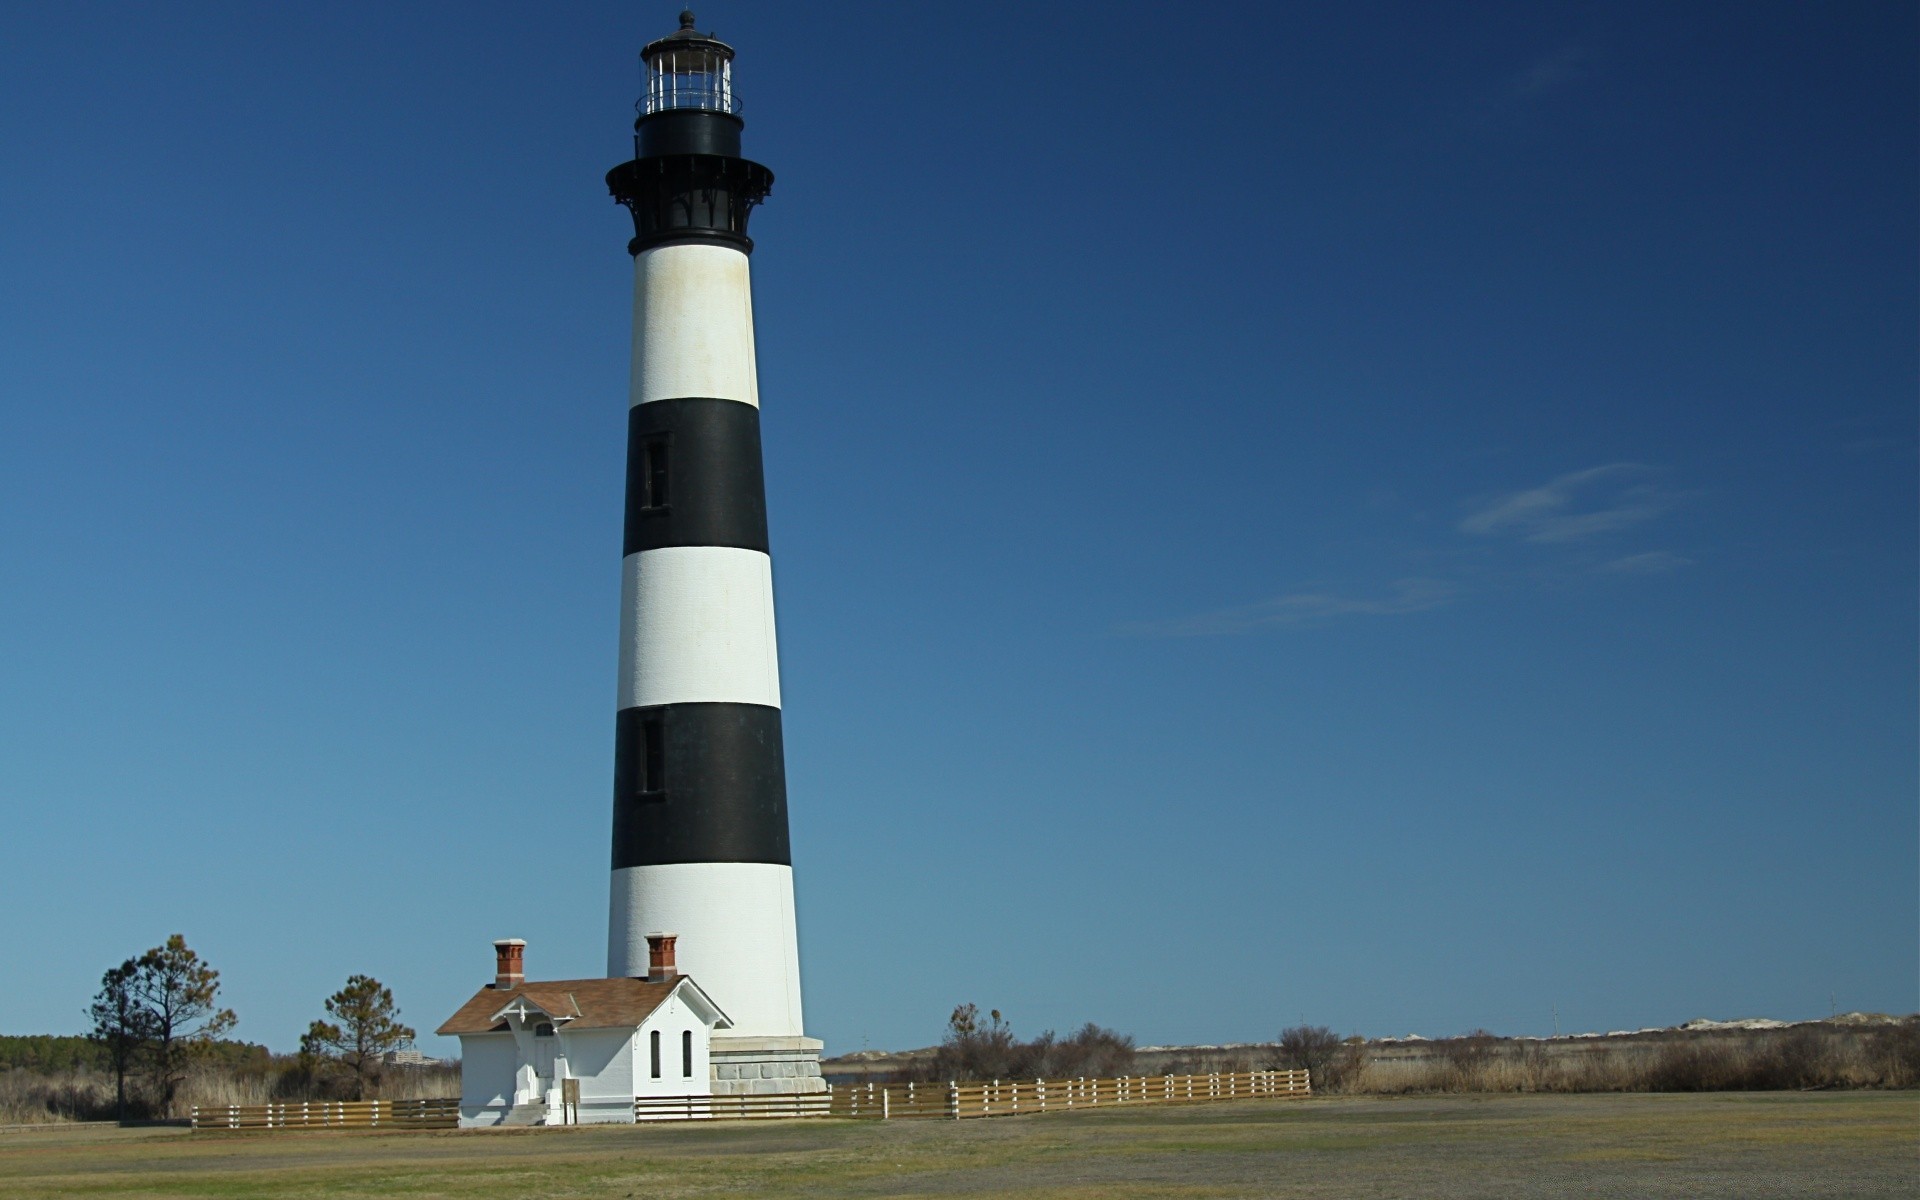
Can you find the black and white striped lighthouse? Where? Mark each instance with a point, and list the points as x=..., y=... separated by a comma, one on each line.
x=700, y=799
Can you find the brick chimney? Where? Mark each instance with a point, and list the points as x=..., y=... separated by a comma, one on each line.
x=660, y=965
x=508, y=971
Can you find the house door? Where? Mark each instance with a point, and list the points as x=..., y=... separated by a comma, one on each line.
x=543, y=1053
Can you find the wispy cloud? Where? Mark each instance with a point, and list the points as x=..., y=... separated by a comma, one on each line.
x=1569, y=517
x=1555, y=70
x=1582, y=504
x=1654, y=562
x=1301, y=608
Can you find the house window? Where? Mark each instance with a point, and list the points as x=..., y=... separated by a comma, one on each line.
x=543, y=1030
x=654, y=1039
x=653, y=755
x=657, y=472
x=686, y=1053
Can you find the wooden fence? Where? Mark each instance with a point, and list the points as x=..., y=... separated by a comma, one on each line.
x=1004, y=1098
x=732, y=1108
x=441, y=1113
x=941, y=1101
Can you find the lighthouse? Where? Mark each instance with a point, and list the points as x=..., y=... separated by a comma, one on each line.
x=700, y=846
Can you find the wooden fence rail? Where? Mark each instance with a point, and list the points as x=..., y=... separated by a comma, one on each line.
x=907, y=1101
x=1001, y=1098
x=441, y=1113
x=731, y=1108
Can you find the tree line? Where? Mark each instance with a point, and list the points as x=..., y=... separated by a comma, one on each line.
x=978, y=1048
x=158, y=1015
x=47, y=1054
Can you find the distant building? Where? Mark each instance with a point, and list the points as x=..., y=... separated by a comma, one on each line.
x=407, y=1056
x=619, y=1038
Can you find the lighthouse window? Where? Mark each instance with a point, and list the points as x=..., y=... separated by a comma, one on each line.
x=654, y=1039
x=659, y=473
x=686, y=1053
x=653, y=769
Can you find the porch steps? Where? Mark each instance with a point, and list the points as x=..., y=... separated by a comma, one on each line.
x=527, y=1114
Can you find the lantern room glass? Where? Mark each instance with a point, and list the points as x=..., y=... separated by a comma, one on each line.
x=697, y=77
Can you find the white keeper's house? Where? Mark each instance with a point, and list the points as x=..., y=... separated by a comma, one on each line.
x=621, y=1039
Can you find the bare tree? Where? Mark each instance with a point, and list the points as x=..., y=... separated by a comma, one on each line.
x=975, y=1049
x=176, y=992
x=121, y=1025
x=1089, y=1051
x=1309, y=1048
x=368, y=1028
x=986, y=1049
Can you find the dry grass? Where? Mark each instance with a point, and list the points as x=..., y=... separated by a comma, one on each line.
x=1801, y=1057
x=1852, y=1144
x=30, y=1098
x=84, y=1094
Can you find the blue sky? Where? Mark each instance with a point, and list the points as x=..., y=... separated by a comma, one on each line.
x=1394, y=515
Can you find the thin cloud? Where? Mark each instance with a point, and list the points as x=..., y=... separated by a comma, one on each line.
x=1553, y=71
x=1582, y=504
x=1654, y=562
x=1301, y=608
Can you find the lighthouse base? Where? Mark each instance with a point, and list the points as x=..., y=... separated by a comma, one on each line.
x=766, y=1066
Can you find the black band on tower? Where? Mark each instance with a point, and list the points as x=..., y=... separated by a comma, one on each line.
x=687, y=131
x=694, y=476
x=699, y=783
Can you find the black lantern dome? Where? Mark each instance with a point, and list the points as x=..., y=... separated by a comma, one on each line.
x=687, y=181
x=688, y=69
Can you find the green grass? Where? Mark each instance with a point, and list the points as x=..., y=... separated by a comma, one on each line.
x=1821, y=1144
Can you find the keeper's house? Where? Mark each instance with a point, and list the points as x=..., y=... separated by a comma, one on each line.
x=620, y=1038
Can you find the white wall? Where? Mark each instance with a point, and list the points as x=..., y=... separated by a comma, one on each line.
x=602, y=1060
x=487, y=1063
x=670, y=1020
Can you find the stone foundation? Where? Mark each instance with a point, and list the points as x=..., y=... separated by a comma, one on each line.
x=774, y=1066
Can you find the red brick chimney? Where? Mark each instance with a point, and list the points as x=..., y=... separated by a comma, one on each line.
x=508, y=971
x=660, y=965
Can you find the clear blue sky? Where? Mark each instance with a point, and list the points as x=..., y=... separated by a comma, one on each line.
x=1396, y=515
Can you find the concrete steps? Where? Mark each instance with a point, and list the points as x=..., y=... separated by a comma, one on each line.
x=527, y=1114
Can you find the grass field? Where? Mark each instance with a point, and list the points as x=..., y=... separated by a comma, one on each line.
x=1855, y=1144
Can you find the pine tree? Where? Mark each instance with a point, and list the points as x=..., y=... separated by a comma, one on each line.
x=177, y=992
x=368, y=1028
x=122, y=1026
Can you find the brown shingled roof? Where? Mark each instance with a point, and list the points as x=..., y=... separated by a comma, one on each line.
x=592, y=1003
